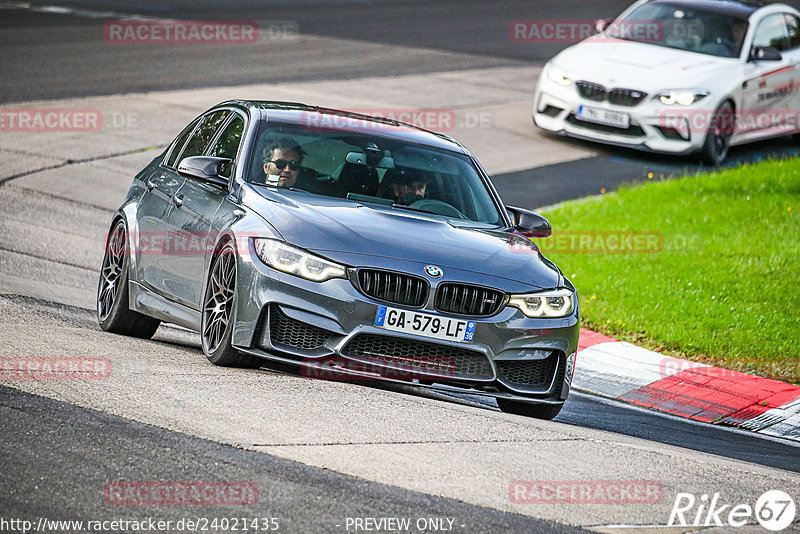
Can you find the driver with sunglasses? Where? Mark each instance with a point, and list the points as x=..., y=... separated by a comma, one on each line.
x=282, y=159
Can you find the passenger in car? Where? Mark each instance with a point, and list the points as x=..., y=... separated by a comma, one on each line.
x=403, y=185
x=282, y=161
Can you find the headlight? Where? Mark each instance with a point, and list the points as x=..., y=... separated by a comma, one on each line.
x=557, y=75
x=682, y=97
x=292, y=260
x=554, y=303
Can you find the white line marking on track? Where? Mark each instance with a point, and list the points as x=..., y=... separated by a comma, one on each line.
x=77, y=12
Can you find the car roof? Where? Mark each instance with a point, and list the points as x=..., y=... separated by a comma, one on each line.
x=298, y=114
x=741, y=9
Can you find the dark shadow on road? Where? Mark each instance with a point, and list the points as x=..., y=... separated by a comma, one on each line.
x=614, y=166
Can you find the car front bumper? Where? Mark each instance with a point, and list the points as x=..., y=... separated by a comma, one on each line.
x=653, y=126
x=329, y=329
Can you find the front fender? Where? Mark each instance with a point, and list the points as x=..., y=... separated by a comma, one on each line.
x=240, y=225
x=128, y=212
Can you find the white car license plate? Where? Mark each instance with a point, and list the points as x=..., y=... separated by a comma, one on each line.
x=424, y=324
x=604, y=116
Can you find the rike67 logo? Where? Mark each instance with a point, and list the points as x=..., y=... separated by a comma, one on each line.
x=774, y=510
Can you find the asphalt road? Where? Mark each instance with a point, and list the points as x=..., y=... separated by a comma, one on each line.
x=49, y=55
x=165, y=414
x=550, y=184
x=55, y=55
x=78, y=451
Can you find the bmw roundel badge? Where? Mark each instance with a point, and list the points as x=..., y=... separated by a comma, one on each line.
x=433, y=271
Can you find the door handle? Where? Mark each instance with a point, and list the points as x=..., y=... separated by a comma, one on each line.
x=177, y=199
x=150, y=184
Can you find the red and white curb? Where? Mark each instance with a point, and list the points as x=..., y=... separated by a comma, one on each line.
x=620, y=370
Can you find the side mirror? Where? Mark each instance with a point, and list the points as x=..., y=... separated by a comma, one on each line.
x=765, y=53
x=600, y=25
x=530, y=224
x=206, y=168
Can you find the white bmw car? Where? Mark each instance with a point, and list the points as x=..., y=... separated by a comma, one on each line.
x=678, y=77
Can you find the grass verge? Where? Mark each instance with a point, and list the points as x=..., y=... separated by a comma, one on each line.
x=704, y=267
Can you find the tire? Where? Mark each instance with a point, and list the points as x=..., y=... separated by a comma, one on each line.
x=113, y=310
x=539, y=411
x=718, y=137
x=219, y=303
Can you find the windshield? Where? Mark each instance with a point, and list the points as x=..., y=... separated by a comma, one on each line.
x=368, y=168
x=677, y=26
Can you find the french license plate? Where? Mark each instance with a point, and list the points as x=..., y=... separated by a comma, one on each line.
x=424, y=324
x=604, y=116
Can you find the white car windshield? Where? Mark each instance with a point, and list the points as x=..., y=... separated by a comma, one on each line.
x=705, y=31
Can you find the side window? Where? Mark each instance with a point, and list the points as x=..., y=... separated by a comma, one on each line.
x=772, y=32
x=227, y=145
x=203, y=134
x=179, y=145
x=793, y=29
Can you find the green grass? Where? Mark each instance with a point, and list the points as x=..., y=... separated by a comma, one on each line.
x=723, y=286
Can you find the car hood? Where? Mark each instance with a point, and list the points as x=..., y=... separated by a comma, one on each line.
x=341, y=230
x=641, y=66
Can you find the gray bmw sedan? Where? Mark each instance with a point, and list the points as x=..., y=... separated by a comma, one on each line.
x=348, y=245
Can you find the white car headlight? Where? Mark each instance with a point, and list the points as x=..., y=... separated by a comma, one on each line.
x=558, y=76
x=553, y=303
x=681, y=97
x=293, y=260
